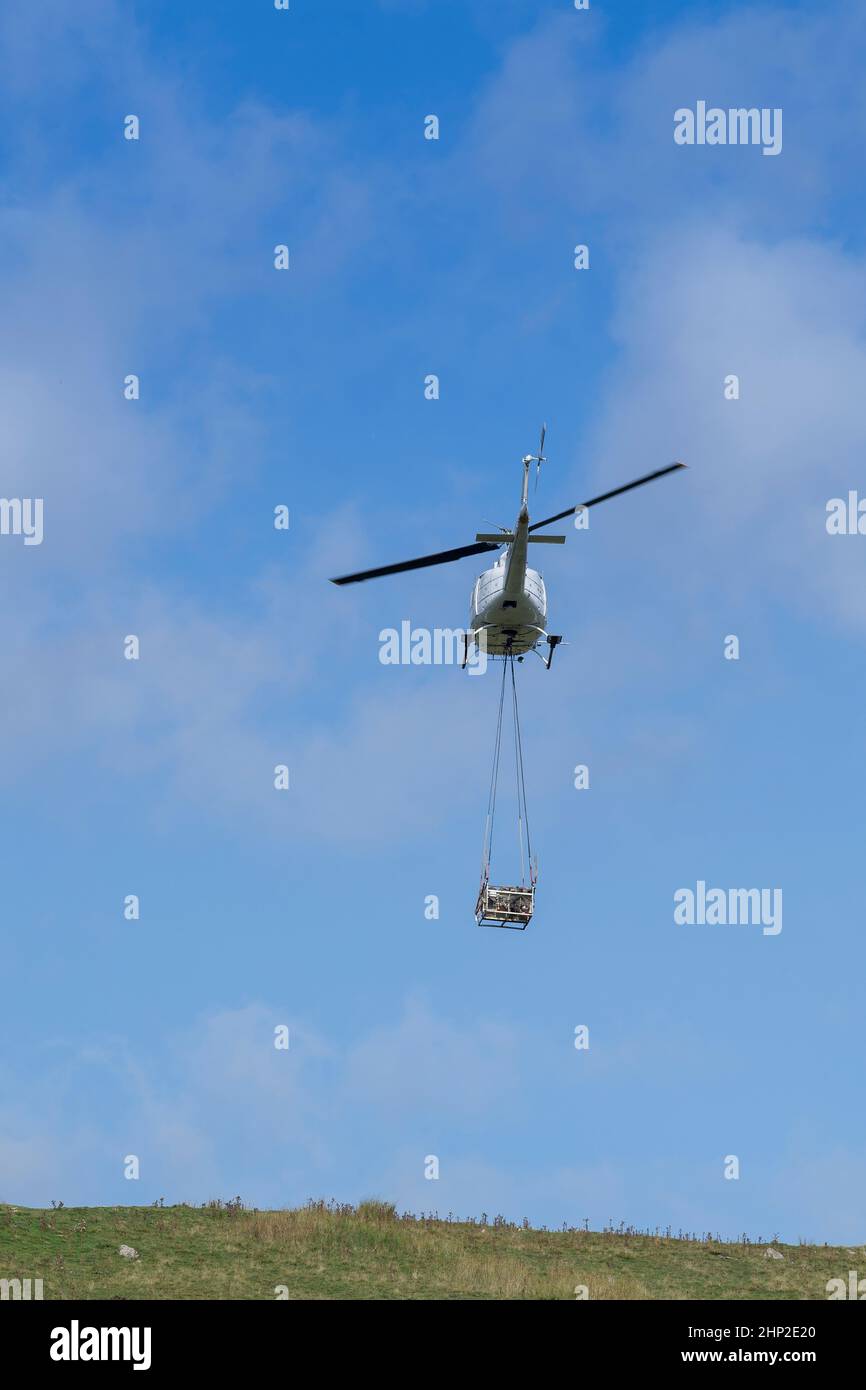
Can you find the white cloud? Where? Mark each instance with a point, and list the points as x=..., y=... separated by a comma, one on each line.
x=790, y=322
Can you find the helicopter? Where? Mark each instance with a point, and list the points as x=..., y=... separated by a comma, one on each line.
x=508, y=607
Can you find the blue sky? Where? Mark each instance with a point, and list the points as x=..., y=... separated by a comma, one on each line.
x=412, y=1037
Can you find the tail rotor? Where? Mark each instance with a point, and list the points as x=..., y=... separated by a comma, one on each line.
x=539, y=458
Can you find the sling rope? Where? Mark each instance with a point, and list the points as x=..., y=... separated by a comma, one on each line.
x=494, y=780
x=522, y=809
x=522, y=812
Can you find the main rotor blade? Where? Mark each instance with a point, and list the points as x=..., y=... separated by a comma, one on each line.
x=441, y=558
x=604, y=496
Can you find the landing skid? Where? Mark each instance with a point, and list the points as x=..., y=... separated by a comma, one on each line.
x=553, y=640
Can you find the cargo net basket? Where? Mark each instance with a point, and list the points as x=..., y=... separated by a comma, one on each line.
x=505, y=907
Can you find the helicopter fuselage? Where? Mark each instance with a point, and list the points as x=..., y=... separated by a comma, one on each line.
x=509, y=600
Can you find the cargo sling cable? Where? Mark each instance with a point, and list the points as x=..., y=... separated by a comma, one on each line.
x=517, y=912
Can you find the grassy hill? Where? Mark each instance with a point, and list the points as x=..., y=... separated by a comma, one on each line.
x=323, y=1251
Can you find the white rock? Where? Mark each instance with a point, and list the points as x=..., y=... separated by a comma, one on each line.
x=128, y=1253
x=771, y=1254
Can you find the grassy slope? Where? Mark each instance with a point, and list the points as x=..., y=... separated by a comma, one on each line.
x=192, y=1252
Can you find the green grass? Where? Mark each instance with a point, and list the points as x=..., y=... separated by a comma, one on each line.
x=226, y=1252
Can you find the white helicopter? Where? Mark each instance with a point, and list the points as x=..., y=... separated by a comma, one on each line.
x=508, y=608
